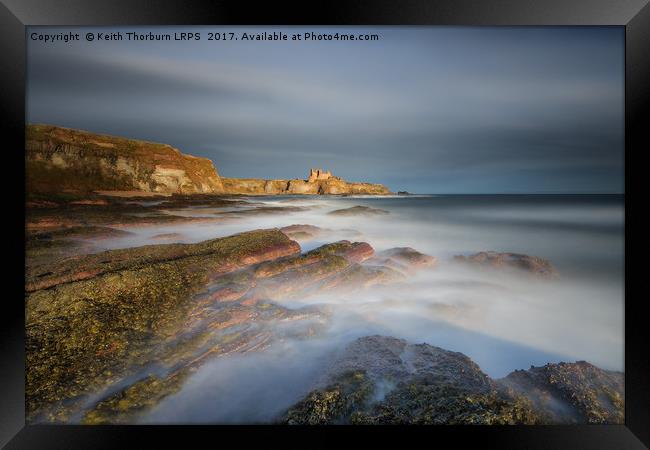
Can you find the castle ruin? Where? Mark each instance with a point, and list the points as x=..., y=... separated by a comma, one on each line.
x=317, y=174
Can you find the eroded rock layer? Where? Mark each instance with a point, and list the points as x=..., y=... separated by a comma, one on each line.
x=110, y=334
x=60, y=159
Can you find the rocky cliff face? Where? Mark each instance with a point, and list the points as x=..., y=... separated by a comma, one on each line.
x=65, y=159
x=331, y=186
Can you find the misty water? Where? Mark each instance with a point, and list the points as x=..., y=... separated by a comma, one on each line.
x=503, y=321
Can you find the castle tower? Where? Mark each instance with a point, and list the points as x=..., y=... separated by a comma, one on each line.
x=318, y=174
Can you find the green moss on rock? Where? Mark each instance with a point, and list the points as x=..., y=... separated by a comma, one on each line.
x=335, y=403
x=125, y=405
x=97, y=315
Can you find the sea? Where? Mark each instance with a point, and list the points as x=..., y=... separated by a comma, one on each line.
x=503, y=321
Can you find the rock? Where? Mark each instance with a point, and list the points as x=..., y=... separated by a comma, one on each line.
x=302, y=231
x=213, y=330
x=109, y=334
x=255, y=247
x=358, y=211
x=40, y=204
x=44, y=246
x=530, y=264
x=330, y=186
x=76, y=232
x=403, y=259
x=69, y=227
x=200, y=200
x=309, y=232
x=384, y=380
x=90, y=202
x=572, y=392
x=306, y=274
x=92, y=317
x=357, y=277
x=108, y=217
x=330, y=268
x=167, y=237
x=384, y=357
x=264, y=210
x=352, y=251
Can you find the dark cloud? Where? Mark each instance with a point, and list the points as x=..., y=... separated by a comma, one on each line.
x=425, y=109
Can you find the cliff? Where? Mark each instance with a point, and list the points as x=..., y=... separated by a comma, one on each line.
x=64, y=159
x=331, y=186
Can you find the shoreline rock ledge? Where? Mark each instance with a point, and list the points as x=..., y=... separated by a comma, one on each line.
x=381, y=380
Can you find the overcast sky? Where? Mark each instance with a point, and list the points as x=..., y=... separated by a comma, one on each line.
x=424, y=109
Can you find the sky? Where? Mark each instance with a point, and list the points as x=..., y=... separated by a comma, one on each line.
x=422, y=109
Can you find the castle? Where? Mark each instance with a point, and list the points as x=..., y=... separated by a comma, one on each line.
x=317, y=174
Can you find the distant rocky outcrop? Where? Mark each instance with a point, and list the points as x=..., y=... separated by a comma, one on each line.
x=319, y=186
x=531, y=264
x=384, y=380
x=64, y=159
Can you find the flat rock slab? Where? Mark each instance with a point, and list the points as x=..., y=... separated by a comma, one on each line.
x=358, y=211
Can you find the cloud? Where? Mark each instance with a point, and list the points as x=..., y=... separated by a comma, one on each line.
x=428, y=102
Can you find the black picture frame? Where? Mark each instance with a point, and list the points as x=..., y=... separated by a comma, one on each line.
x=15, y=15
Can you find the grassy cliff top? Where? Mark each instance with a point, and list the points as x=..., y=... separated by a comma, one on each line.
x=79, y=138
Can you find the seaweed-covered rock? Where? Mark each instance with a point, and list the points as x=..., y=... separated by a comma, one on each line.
x=384, y=380
x=349, y=251
x=531, y=264
x=92, y=317
x=572, y=392
x=379, y=379
x=212, y=330
x=335, y=403
x=229, y=253
x=317, y=271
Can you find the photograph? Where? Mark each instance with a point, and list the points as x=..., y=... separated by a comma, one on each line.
x=325, y=225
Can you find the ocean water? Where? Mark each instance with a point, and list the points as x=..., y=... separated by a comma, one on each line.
x=502, y=321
